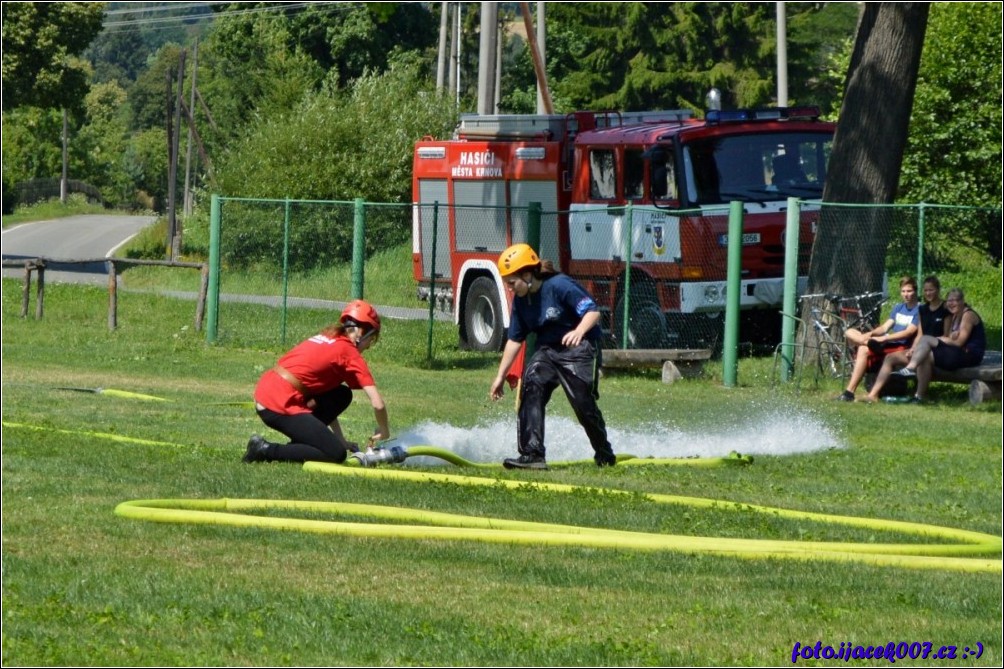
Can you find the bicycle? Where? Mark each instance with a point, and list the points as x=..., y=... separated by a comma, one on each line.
x=831, y=323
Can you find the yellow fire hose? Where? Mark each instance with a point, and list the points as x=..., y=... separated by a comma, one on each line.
x=972, y=551
x=971, y=554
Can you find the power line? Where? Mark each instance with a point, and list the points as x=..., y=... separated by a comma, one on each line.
x=163, y=8
x=118, y=26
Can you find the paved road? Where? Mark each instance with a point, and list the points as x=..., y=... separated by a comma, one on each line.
x=97, y=236
x=72, y=238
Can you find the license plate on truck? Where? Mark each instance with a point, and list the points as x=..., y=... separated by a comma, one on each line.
x=749, y=239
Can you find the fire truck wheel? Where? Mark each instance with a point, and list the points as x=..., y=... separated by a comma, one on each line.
x=646, y=324
x=482, y=317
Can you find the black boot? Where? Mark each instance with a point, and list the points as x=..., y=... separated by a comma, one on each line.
x=607, y=459
x=257, y=450
x=525, y=462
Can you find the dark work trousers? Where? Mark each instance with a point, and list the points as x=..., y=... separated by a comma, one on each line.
x=576, y=370
x=310, y=438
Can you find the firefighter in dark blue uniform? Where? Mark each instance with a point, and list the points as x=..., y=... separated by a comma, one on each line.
x=566, y=321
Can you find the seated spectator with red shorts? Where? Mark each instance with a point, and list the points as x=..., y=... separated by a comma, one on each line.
x=895, y=334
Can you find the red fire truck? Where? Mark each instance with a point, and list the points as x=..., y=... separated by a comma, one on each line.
x=635, y=207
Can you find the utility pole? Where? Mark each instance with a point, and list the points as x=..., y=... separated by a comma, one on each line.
x=782, y=56
x=170, y=135
x=459, y=47
x=486, y=57
x=64, y=184
x=497, y=98
x=444, y=27
x=174, y=242
x=542, y=46
x=188, y=198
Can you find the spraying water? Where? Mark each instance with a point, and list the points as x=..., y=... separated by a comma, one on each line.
x=775, y=430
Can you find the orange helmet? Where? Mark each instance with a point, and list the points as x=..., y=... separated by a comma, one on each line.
x=360, y=312
x=517, y=257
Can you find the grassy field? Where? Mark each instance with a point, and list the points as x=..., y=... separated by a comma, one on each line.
x=83, y=586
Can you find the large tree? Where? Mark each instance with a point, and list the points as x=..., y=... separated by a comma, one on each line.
x=848, y=255
x=41, y=45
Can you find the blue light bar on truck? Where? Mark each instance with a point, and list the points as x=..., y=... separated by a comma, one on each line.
x=716, y=116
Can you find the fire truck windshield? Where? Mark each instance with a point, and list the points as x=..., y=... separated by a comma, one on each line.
x=757, y=167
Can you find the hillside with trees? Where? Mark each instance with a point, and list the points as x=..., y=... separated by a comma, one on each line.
x=323, y=101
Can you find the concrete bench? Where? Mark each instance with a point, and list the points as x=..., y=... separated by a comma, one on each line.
x=984, y=380
x=676, y=363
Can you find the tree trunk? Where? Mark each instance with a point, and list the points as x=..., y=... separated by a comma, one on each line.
x=848, y=255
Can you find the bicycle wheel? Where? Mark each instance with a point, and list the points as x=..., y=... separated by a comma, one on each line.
x=832, y=358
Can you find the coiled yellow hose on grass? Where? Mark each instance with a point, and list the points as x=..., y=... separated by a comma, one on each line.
x=970, y=554
x=972, y=551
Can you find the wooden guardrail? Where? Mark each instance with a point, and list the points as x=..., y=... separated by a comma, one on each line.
x=113, y=266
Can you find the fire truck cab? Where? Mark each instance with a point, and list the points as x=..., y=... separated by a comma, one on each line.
x=635, y=208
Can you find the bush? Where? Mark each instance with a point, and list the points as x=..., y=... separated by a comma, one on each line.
x=335, y=147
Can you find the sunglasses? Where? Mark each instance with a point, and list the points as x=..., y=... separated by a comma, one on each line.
x=372, y=335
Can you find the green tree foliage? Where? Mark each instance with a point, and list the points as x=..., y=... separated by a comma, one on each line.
x=954, y=154
x=148, y=100
x=955, y=131
x=41, y=42
x=260, y=64
x=354, y=38
x=145, y=161
x=664, y=55
x=338, y=146
x=103, y=139
x=31, y=144
x=119, y=53
x=136, y=30
x=650, y=55
x=103, y=152
x=252, y=68
x=820, y=36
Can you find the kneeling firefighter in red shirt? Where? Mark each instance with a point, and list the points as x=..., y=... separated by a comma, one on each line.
x=311, y=385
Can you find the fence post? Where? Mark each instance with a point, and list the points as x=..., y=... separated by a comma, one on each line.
x=533, y=213
x=733, y=286
x=787, y=351
x=26, y=293
x=285, y=272
x=629, y=251
x=359, y=249
x=920, y=245
x=113, y=296
x=200, y=305
x=213, y=292
x=40, y=291
x=432, y=278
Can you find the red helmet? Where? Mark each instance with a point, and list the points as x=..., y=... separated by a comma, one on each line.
x=360, y=312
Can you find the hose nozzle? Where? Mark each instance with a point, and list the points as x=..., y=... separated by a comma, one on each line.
x=382, y=455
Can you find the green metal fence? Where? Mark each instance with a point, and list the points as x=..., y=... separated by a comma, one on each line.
x=279, y=269
x=876, y=245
